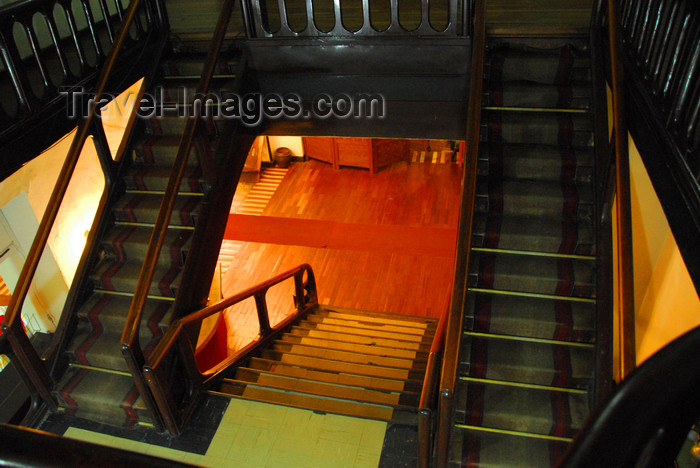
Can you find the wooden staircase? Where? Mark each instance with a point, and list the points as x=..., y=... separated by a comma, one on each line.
x=97, y=383
x=528, y=352
x=342, y=361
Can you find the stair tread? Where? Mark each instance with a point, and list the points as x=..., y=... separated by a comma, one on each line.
x=359, y=339
x=352, y=330
x=504, y=126
x=325, y=404
x=502, y=450
x=110, y=311
x=531, y=317
x=516, y=360
x=155, y=178
x=531, y=94
x=348, y=356
x=533, y=233
x=123, y=276
x=131, y=242
x=330, y=376
x=371, y=327
x=320, y=388
x=144, y=207
x=341, y=366
x=354, y=347
x=379, y=316
x=523, y=409
x=533, y=274
x=101, y=396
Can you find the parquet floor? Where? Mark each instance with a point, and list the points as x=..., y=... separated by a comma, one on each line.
x=415, y=195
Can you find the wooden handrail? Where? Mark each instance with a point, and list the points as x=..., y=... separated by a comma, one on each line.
x=27, y=357
x=131, y=346
x=178, y=337
x=623, y=212
x=454, y=323
x=426, y=405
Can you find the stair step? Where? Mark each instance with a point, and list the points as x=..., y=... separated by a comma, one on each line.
x=370, y=326
x=534, y=234
x=348, y=356
x=321, y=404
x=156, y=178
x=344, y=328
x=534, y=199
x=124, y=276
x=313, y=387
x=481, y=448
x=389, y=318
x=124, y=243
x=563, y=277
x=161, y=151
x=516, y=359
x=354, y=347
x=528, y=94
x=338, y=377
x=109, y=314
x=359, y=339
x=521, y=409
x=101, y=396
x=143, y=209
x=530, y=317
x=547, y=128
x=320, y=363
x=536, y=162
x=510, y=62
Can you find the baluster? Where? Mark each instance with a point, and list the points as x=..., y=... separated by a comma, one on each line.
x=642, y=32
x=36, y=51
x=285, y=29
x=424, y=27
x=311, y=27
x=660, y=53
x=16, y=70
x=74, y=31
x=689, y=79
x=93, y=31
x=108, y=20
x=394, y=24
x=673, y=73
x=651, y=37
x=367, y=28
x=452, y=23
x=692, y=134
x=263, y=317
x=339, y=28
x=634, y=20
x=259, y=14
x=60, y=52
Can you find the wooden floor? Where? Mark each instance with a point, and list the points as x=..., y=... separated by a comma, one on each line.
x=411, y=195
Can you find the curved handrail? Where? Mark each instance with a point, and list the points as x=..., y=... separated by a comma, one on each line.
x=12, y=324
x=427, y=402
x=647, y=418
x=454, y=323
x=179, y=336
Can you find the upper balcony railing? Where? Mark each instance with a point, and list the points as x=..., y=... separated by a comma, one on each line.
x=356, y=18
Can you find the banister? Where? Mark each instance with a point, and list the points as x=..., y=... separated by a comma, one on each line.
x=454, y=321
x=426, y=405
x=623, y=212
x=130, y=334
x=306, y=298
x=27, y=356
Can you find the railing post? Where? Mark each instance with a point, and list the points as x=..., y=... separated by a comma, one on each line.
x=263, y=317
x=444, y=429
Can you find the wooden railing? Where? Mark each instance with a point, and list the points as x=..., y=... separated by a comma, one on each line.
x=130, y=343
x=307, y=18
x=427, y=405
x=176, y=398
x=51, y=45
x=453, y=336
x=33, y=368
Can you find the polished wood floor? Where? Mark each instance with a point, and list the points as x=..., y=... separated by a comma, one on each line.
x=420, y=197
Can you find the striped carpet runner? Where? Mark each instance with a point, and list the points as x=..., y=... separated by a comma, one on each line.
x=527, y=360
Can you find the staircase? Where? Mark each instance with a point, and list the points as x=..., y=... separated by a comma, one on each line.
x=527, y=359
x=342, y=361
x=97, y=384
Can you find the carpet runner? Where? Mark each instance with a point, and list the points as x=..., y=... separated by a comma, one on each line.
x=527, y=360
x=97, y=384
